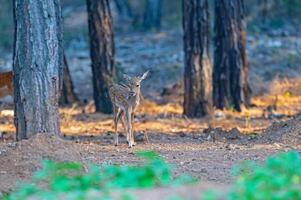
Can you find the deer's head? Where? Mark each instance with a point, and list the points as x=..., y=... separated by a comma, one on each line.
x=135, y=82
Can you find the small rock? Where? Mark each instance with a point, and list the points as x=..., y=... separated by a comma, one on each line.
x=252, y=137
x=139, y=137
x=233, y=134
x=195, y=137
x=203, y=170
x=219, y=115
x=182, y=134
x=12, y=145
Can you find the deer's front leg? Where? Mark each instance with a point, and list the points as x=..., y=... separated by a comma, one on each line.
x=133, y=129
x=128, y=114
x=117, y=114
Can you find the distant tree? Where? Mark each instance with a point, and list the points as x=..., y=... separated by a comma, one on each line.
x=67, y=92
x=102, y=52
x=198, y=70
x=124, y=9
x=264, y=10
x=230, y=71
x=37, y=67
x=152, y=14
x=262, y=6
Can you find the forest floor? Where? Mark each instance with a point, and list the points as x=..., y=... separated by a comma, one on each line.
x=194, y=149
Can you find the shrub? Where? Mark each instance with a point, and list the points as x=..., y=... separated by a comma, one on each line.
x=279, y=178
x=69, y=181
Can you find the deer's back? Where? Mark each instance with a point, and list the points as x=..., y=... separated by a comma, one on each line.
x=122, y=96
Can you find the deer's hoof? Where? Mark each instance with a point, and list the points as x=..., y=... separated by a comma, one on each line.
x=131, y=144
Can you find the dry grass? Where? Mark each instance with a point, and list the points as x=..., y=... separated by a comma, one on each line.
x=167, y=118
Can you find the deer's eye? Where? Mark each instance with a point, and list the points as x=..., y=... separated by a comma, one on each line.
x=137, y=85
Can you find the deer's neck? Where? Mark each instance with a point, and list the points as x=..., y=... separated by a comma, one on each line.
x=136, y=99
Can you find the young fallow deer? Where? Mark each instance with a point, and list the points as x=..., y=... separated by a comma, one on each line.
x=125, y=99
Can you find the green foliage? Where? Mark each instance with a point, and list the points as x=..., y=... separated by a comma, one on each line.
x=211, y=195
x=68, y=180
x=278, y=179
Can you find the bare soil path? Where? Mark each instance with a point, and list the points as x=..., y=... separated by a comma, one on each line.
x=194, y=154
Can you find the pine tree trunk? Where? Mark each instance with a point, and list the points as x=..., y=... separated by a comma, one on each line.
x=230, y=72
x=37, y=67
x=124, y=9
x=67, y=93
x=265, y=11
x=198, y=70
x=152, y=14
x=102, y=52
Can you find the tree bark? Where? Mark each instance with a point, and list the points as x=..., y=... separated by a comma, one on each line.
x=67, y=92
x=230, y=71
x=37, y=67
x=152, y=14
x=102, y=52
x=198, y=70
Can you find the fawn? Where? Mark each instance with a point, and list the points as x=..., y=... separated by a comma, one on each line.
x=125, y=99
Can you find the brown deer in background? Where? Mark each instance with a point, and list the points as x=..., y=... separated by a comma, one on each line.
x=125, y=99
x=6, y=84
x=6, y=87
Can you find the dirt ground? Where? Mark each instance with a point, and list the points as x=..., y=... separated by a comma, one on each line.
x=271, y=125
x=208, y=155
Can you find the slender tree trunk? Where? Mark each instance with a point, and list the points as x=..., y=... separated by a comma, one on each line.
x=265, y=11
x=262, y=6
x=124, y=8
x=67, y=92
x=152, y=14
x=37, y=67
x=102, y=52
x=230, y=72
x=198, y=70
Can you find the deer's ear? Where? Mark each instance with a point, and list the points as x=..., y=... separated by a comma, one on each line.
x=144, y=75
x=126, y=77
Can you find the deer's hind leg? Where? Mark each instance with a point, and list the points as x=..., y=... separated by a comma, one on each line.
x=124, y=125
x=117, y=114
